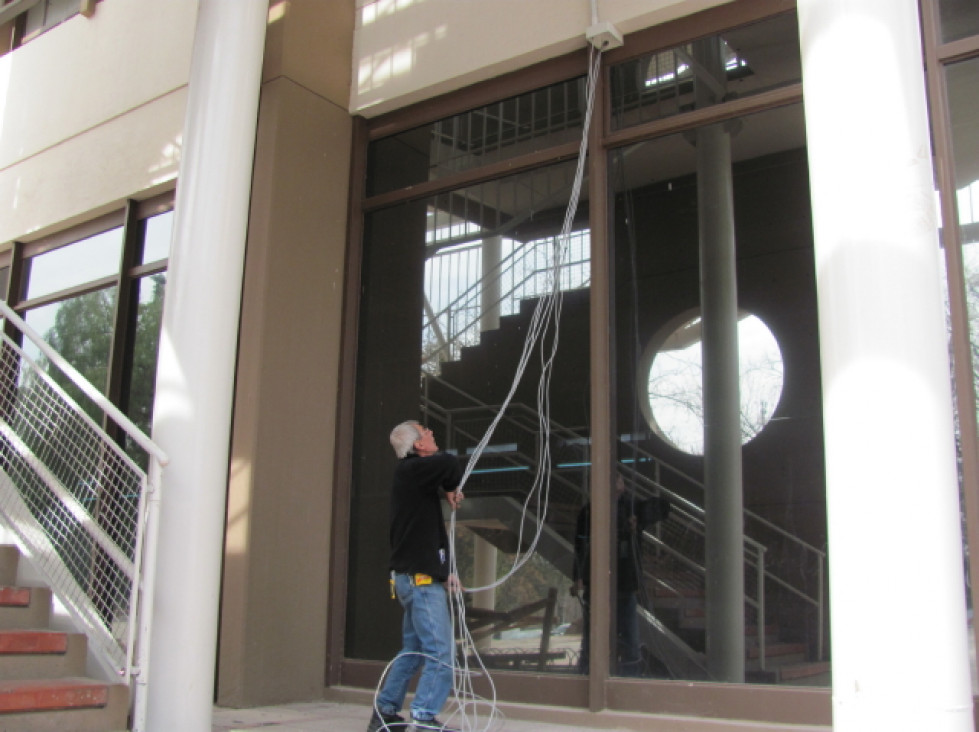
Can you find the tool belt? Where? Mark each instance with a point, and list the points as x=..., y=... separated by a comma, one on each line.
x=416, y=579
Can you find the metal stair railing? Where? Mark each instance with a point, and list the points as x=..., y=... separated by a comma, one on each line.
x=81, y=506
x=686, y=513
x=691, y=518
x=526, y=270
x=560, y=487
x=755, y=551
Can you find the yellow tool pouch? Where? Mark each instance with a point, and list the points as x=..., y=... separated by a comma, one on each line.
x=422, y=579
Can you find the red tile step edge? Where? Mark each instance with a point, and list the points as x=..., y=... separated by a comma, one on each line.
x=49, y=694
x=15, y=596
x=33, y=641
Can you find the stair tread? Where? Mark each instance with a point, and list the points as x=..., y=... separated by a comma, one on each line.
x=15, y=596
x=777, y=649
x=803, y=670
x=33, y=641
x=50, y=694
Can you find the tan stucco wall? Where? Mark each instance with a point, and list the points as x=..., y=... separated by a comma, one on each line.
x=409, y=50
x=91, y=114
x=274, y=606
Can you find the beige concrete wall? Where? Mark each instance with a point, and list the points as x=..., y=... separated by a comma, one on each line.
x=409, y=50
x=91, y=113
x=274, y=606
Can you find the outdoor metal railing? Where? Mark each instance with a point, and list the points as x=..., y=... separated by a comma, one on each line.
x=80, y=505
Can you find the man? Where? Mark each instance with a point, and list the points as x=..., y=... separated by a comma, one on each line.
x=419, y=576
x=632, y=518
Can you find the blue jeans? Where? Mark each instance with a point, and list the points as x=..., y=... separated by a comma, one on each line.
x=426, y=631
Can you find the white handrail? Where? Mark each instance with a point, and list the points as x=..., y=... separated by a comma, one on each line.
x=129, y=661
x=86, y=386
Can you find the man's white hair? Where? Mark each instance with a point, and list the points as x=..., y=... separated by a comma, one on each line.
x=404, y=436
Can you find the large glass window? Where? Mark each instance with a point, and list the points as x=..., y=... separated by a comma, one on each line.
x=71, y=298
x=450, y=288
x=671, y=212
x=450, y=277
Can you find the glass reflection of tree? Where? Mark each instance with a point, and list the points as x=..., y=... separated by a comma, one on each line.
x=82, y=334
x=675, y=386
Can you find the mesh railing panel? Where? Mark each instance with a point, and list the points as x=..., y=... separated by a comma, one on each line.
x=73, y=496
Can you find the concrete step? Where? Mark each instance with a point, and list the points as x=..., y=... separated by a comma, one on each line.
x=24, y=607
x=63, y=705
x=42, y=684
x=41, y=654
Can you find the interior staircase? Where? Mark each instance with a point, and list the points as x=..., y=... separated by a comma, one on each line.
x=461, y=398
x=43, y=682
x=682, y=608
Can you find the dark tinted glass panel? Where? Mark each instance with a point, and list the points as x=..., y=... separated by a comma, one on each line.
x=735, y=193
x=738, y=63
x=450, y=286
x=960, y=19
x=498, y=131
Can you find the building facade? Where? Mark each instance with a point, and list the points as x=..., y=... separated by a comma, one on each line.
x=746, y=301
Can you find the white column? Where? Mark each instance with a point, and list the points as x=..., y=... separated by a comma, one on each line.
x=490, y=293
x=192, y=414
x=899, y=642
x=484, y=573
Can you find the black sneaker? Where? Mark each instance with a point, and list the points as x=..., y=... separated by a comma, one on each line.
x=381, y=721
x=423, y=725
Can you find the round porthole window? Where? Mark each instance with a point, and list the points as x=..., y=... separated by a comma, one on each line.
x=673, y=381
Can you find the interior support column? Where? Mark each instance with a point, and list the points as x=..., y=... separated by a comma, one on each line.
x=723, y=501
x=196, y=372
x=891, y=489
x=489, y=318
x=484, y=573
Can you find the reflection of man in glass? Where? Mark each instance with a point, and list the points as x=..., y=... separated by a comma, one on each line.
x=632, y=517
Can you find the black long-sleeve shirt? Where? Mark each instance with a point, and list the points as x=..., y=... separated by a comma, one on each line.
x=419, y=542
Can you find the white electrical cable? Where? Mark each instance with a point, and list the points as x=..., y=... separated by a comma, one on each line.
x=545, y=320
